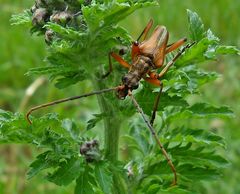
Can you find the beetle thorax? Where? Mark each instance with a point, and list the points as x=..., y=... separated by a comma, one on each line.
x=138, y=70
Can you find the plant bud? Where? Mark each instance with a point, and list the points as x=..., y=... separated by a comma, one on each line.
x=40, y=17
x=87, y=2
x=62, y=17
x=49, y=35
x=51, y=4
x=33, y=9
x=41, y=3
x=90, y=150
x=83, y=150
x=95, y=142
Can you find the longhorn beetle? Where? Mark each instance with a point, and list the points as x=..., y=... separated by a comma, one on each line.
x=147, y=56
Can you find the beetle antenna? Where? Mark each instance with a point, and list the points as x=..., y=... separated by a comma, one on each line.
x=146, y=30
x=139, y=109
x=65, y=100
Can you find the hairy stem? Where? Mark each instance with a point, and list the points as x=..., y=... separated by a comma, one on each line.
x=111, y=124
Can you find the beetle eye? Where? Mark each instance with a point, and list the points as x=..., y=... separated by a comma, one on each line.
x=135, y=43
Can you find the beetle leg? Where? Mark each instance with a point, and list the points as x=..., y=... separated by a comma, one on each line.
x=117, y=58
x=153, y=75
x=155, y=82
x=170, y=63
x=156, y=102
x=152, y=81
x=175, y=45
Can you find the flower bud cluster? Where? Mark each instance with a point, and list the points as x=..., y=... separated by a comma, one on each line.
x=90, y=150
x=62, y=12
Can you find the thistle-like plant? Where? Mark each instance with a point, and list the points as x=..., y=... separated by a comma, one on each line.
x=80, y=35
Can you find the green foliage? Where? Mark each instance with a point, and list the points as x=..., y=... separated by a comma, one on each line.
x=196, y=26
x=74, y=46
x=23, y=18
x=92, y=122
x=200, y=110
x=103, y=15
x=83, y=182
x=104, y=177
x=77, y=54
x=67, y=172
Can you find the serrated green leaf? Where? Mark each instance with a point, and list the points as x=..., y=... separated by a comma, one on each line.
x=22, y=18
x=108, y=33
x=197, y=173
x=158, y=167
x=200, y=136
x=153, y=188
x=201, y=110
x=101, y=15
x=47, y=131
x=50, y=121
x=212, y=37
x=71, y=128
x=92, y=122
x=67, y=33
x=65, y=73
x=146, y=98
x=199, y=157
x=196, y=53
x=54, y=70
x=142, y=136
x=14, y=128
x=84, y=182
x=70, y=80
x=196, y=26
x=223, y=50
x=132, y=143
x=42, y=162
x=104, y=177
x=176, y=190
x=186, y=80
x=67, y=172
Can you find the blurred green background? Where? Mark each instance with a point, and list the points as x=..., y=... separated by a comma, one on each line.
x=19, y=51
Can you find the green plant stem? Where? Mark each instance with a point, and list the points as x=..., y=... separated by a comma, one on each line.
x=111, y=125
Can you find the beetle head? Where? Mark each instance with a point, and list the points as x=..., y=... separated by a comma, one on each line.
x=122, y=92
